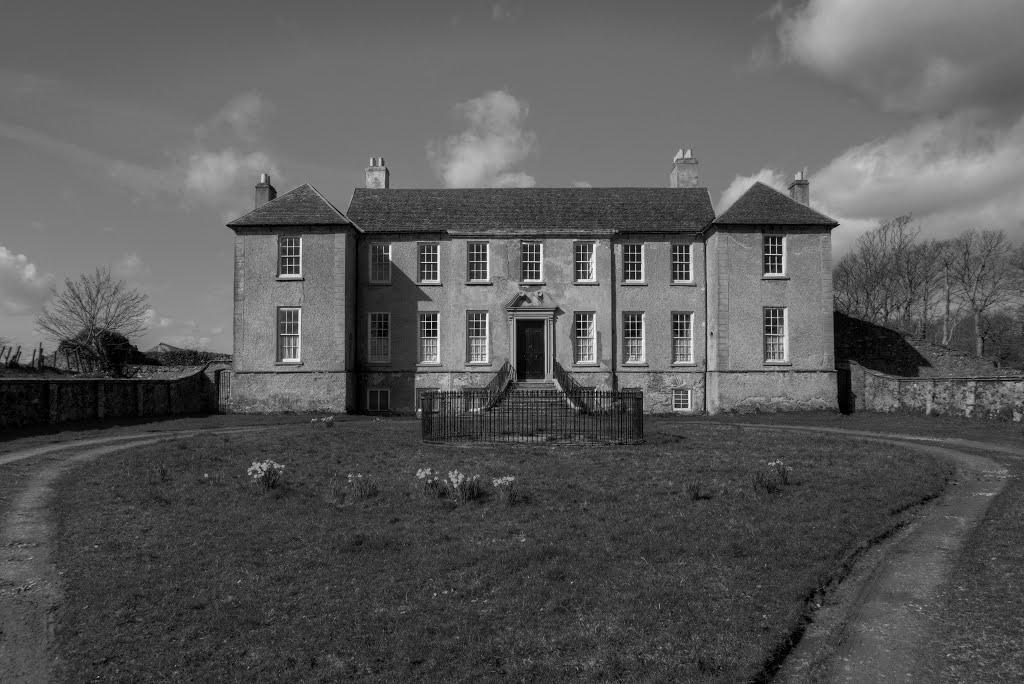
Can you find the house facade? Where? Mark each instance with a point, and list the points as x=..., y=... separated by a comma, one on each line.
x=419, y=289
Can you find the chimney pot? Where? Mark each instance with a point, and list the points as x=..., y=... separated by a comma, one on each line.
x=265, y=192
x=377, y=175
x=684, y=170
x=800, y=188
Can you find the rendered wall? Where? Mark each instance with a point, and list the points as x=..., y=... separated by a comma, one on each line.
x=768, y=391
x=295, y=392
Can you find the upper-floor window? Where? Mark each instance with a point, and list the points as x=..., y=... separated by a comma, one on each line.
x=478, y=262
x=774, y=255
x=429, y=347
x=532, y=254
x=633, y=337
x=380, y=263
x=586, y=350
x=289, y=256
x=289, y=347
x=429, y=268
x=682, y=338
x=379, y=337
x=775, y=333
x=681, y=269
x=633, y=262
x=584, y=270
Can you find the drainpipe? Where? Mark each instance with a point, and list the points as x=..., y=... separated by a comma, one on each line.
x=707, y=322
x=615, y=314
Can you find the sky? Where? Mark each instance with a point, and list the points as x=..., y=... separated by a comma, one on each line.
x=131, y=132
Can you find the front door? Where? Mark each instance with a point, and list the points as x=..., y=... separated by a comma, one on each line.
x=530, y=350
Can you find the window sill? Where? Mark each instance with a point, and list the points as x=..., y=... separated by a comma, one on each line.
x=586, y=282
x=429, y=283
x=287, y=363
x=428, y=364
x=774, y=277
x=586, y=364
x=282, y=278
x=633, y=283
x=777, y=364
x=382, y=283
x=528, y=283
x=379, y=363
x=634, y=364
x=683, y=283
x=478, y=364
x=479, y=282
x=684, y=364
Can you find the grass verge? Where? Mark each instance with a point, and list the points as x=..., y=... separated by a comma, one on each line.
x=653, y=563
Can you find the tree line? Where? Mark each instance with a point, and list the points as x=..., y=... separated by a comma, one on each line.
x=966, y=291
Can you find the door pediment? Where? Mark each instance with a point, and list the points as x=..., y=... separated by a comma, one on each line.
x=529, y=301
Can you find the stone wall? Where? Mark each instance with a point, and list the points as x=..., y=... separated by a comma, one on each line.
x=1000, y=398
x=31, y=401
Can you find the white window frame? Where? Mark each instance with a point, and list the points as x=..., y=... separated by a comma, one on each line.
x=590, y=261
x=533, y=263
x=424, y=316
x=682, y=341
x=371, y=356
x=776, y=243
x=627, y=357
x=581, y=343
x=771, y=318
x=687, y=250
x=628, y=249
x=486, y=337
x=423, y=249
x=281, y=358
x=380, y=392
x=281, y=256
x=470, y=261
x=682, y=399
x=380, y=249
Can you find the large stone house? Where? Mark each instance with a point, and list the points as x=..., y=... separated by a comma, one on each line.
x=410, y=290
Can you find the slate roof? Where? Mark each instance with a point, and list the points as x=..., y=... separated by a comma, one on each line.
x=303, y=206
x=532, y=209
x=763, y=205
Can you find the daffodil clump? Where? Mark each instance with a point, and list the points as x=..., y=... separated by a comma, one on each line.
x=508, y=489
x=782, y=470
x=267, y=474
x=362, y=487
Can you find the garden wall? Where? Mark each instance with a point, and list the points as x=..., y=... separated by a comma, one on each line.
x=1000, y=398
x=32, y=401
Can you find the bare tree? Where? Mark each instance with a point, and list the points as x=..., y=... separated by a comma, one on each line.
x=982, y=272
x=92, y=310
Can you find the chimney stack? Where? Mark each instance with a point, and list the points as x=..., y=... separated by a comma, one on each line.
x=377, y=175
x=800, y=188
x=684, y=171
x=264, y=190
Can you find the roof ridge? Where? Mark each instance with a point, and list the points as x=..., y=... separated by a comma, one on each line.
x=750, y=208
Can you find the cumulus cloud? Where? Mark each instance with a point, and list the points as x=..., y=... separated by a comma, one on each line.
x=741, y=184
x=581, y=184
x=242, y=115
x=129, y=267
x=485, y=154
x=210, y=174
x=921, y=56
x=23, y=289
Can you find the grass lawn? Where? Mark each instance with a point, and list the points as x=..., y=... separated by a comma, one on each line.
x=610, y=570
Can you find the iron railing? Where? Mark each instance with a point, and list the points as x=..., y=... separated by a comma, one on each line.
x=500, y=383
x=541, y=416
x=574, y=391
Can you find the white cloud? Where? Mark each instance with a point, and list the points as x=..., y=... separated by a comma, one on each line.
x=242, y=115
x=165, y=322
x=485, y=154
x=741, y=184
x=23, y=289
x=129, y=267
x=189, y=341
x=581, y=184
x=216, y=331
x=209, y=175
x=923, y=56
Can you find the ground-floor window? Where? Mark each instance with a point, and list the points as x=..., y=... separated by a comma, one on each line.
x=682, y=338
x=288, y=330
x=429, y=340
x=378, y=400
x=585, y=347
x=380, y=337
x=476, y=336
x=681, y=399
x=775, y=333
x=633, y=337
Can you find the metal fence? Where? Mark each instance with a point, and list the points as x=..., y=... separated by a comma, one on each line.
x=533, y=416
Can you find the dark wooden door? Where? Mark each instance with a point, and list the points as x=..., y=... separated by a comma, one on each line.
x=530, y=350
